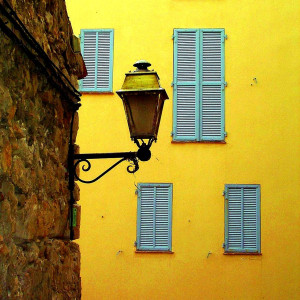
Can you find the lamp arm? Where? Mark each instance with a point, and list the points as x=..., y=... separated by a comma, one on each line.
x=131, y=156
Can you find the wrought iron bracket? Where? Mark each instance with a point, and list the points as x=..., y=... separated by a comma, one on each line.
x=85, y=158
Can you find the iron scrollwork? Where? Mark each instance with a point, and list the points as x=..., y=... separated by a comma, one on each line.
x=87, y=166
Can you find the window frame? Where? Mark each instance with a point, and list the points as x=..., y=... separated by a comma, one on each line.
x=111, y=60
x=140, y=248
x=198, y=87
x=228, y=250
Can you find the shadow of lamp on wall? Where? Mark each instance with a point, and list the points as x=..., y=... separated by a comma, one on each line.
x=143, y=99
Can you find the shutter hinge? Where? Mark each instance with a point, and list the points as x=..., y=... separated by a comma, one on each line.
x=173, y=36
x=135, y=244
x=225, y=133
x=225, y=195
x=225, y=83
x=172, y=133
x=224, y=38
x=136, y=191
x=223, y=246
x=172, y=83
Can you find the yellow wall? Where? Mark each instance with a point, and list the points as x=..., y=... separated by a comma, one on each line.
x=262, y=147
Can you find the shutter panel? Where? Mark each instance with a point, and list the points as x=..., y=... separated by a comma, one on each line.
x=250, y=218
x=242, y=228
x=162, y=217
x=234, y=218
x=89, y=56
x=97, y=47
x=186, y=85
x=146, y=218
x=154, y=217
x=212, y=84
x=104, y=60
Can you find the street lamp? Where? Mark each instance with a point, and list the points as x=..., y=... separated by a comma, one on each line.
x=143, y=100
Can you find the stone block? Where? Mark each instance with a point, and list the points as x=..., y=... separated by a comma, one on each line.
x=34, y=133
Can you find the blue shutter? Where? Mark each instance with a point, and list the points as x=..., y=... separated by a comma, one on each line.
x=97, y=51
x=154, y=217
x=186, y=85
x=212, y=85
x=242, y=218
x=199, y=82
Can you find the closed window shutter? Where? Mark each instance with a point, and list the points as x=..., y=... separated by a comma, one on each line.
x=97, y=49
x=186, y=85
x=212, y=85
x=242, y=224
x=154, y=217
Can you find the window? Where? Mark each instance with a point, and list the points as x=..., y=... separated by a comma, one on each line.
x=97, y=52
x=199, y=83
x=242, y=218
x=154, y=219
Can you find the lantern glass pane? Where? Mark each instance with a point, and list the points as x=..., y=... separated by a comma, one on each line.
x=141, y=114
x=159, y=112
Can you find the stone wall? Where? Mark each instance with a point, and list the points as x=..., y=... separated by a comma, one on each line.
x=37, y=261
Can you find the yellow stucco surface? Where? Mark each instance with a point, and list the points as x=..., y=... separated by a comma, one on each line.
x=262, y=147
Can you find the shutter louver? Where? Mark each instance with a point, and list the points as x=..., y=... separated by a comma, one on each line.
x=242, y=224
x=212, y=85
x=186, y=112
x=103, y=70
x=147, y=217
x=250, y=218
x=235, y=218
x=89, y=56
x=186, y=56
x=97, y=46
x=186, y=85
x=211, y=112
x=154, y=217
x=162, y=217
